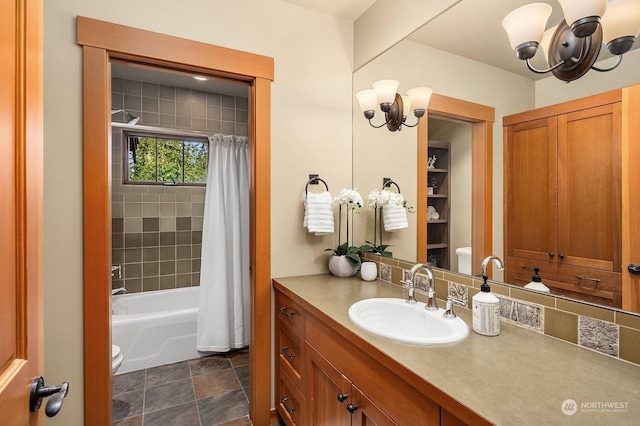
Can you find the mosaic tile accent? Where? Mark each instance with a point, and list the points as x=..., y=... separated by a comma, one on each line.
x=385, y=272
x=527, y=315
x=459, y=293
x=598, y=335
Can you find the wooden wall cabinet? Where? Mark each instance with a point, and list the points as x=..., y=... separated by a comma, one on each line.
x=324, y=378
x=563, y=199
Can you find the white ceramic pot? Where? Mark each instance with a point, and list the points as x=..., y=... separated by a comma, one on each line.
x=369, y=271
x=340, y=266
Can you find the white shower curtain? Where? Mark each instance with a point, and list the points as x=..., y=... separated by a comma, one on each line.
x=223, y=314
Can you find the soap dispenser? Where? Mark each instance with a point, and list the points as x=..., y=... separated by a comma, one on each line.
x=486, y=311
x=536, y=283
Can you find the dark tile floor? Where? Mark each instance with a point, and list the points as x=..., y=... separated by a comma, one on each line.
x=201, y=392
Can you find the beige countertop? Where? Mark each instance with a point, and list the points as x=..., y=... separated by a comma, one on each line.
x=519, y=377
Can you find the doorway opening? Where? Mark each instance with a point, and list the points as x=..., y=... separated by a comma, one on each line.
x=102, y=44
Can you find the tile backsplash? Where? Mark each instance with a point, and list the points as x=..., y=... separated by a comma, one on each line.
x=157, y=230
x=605, y=330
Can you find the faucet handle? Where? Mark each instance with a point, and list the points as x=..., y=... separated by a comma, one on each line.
x=409, y=284
x=448, y=313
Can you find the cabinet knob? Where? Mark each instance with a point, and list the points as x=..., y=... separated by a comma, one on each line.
x=551, y=254
x=634, y=268
x=352, y=408
x=342, y=397
x=561, y=256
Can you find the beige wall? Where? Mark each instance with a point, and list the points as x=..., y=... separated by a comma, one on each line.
x=311, y=133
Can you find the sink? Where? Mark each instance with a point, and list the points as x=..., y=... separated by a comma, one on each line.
x=395, y=319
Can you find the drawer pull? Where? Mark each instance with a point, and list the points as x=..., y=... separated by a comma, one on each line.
x=352, y=408
x=528, y=267
x=283, y=402
x=284, y=351
x=283, y=309
x=580, y=277
x=342, y=397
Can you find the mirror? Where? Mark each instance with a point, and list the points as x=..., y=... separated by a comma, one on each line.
x=414, y=61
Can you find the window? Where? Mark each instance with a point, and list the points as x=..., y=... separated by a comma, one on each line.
x=166, y=159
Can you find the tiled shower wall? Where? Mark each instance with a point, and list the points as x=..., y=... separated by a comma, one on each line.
x=157, y=230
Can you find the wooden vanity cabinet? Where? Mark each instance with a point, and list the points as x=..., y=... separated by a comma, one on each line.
x=563, y=198
x=338, y=381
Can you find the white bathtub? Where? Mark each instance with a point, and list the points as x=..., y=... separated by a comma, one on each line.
x=155, y=327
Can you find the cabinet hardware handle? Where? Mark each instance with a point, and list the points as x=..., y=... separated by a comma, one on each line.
x=580, y=277
x=634, y=268
x=528, y=267
x=561, y=256
x=551, y=254
x=342, y=397
x=283, y=402
x=352, y=408
x=283, y=309
x=284, y=351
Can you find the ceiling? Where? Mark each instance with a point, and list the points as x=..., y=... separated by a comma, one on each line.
x=471, y=29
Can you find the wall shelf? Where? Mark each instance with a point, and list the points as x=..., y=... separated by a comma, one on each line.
x=438, y=230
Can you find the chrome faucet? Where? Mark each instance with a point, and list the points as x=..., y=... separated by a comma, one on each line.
x=487, y=260
x=120, y=290
x=116, y=271
x=431, y=287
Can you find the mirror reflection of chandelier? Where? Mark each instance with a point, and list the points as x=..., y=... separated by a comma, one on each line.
x=396, y=108
x=573, y=46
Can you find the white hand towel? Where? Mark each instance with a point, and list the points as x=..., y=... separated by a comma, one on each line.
x=318, y=213
x=394, y=218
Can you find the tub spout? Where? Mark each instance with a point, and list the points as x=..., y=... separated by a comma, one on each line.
x=120, y=290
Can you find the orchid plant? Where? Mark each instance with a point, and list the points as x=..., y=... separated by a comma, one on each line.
x=377, y=200
x=351, y=201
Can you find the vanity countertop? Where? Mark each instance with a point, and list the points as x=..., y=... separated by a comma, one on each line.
x=518, y=377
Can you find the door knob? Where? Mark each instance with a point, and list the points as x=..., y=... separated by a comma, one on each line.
x=634, y=268
x=40, y=391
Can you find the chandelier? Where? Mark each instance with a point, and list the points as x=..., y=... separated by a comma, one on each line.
x=573, y=46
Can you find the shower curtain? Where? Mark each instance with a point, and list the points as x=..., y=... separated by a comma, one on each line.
x=223, y=314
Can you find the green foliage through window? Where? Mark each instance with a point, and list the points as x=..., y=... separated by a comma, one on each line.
x=159, y=160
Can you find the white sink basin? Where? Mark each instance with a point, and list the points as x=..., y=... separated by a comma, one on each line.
x=398, y=320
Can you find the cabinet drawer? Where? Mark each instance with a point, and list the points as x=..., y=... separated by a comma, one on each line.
x=290, y=313
x=289, y=402
x=603, y=286
x=290, y=351
x=524, y=267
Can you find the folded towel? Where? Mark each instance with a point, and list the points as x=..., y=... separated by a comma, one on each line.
x=394, y=218
x=318, y=213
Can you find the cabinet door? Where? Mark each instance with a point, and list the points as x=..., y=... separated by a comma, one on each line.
x=531, y=189
x=589, y=188
x=365, y=412
x=329, y=393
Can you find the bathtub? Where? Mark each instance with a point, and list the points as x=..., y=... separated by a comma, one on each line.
x=155, y=327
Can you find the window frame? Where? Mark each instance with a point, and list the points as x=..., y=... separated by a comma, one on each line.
x=171, y=135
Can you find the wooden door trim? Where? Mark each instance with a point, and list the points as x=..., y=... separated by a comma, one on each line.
x=481, y=118
x=101, y=42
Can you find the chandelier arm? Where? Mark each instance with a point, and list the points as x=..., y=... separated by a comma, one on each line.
x=537, y=71
x=377, y=127
x=618, y=61
x=411, y=125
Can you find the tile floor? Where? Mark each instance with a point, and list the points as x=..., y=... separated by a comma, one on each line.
x=200, y=392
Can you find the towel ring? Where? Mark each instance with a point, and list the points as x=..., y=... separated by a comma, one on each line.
x=315, y=180
x=386, y=183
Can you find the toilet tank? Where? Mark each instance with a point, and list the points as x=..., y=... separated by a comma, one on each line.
x=464, y=260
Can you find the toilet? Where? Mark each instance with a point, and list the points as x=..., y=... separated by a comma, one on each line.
x=464, y=260
x=116, y=358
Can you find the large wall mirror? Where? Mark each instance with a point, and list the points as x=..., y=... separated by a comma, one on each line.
x=464, y=54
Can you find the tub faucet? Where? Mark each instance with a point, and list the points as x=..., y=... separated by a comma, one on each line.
x=120, y=290
x=487, y=260
x=431, y=287
x=116, y=271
